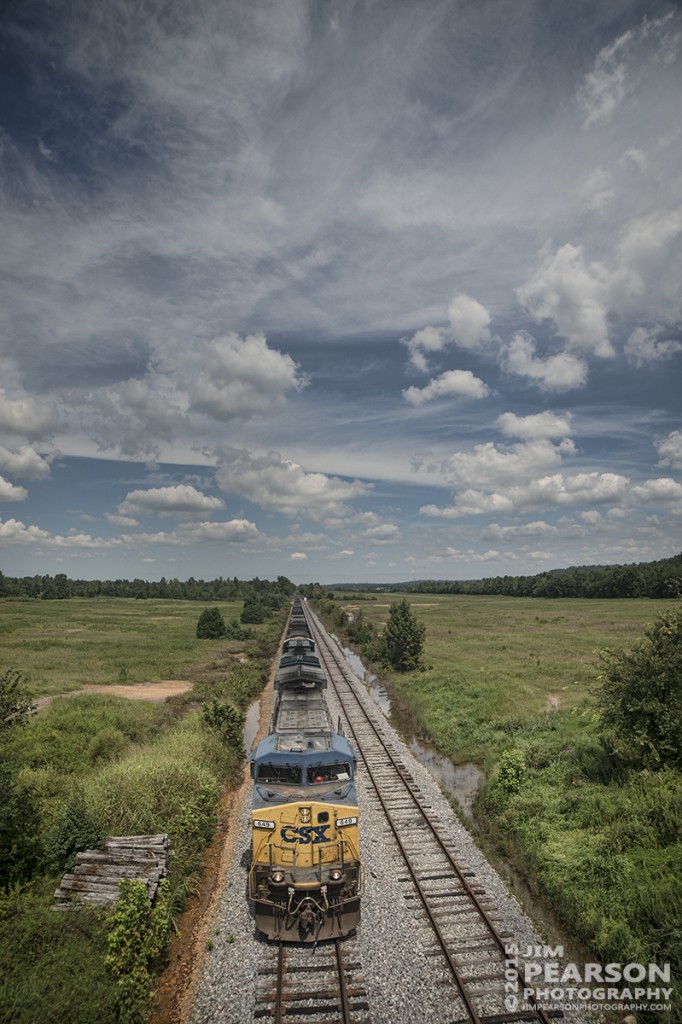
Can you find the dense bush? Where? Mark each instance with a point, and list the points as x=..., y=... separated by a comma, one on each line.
x=211, y=625
x=640, y=700
x=404, y=637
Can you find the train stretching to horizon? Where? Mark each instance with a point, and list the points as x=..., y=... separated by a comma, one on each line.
x=306, y=875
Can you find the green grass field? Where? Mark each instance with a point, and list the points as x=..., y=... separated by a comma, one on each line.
x=89, y=765
x=507, y=684
x=496, y=663
x=63, y=645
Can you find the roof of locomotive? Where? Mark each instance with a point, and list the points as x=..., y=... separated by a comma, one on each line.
x=325, y=749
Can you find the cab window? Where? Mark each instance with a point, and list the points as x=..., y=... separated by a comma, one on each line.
x=339, y=772
x=282, y=774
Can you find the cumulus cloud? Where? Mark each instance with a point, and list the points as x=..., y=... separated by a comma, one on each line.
x=298, y=556
x=559, y=490
x=469, y=322
x=561, y=372
x=24, y=462
x=241, y=377
x=232, y=531
x=27, y=417
x=283, y=486
x=468, y=327
x=572, y=294
x=13, y=531
x=174, y=500
x=462, y=383
x=10, y=492
x=670, y=450
x=538, y=425
x=649, y=345
x=489, y=464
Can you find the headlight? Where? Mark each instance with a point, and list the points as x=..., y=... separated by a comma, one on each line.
x=341, y=822
x=335, y=875
x=305, y=814
x=263, y=823
x=277, y=878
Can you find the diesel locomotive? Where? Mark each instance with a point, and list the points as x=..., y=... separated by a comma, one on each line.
x=306, y=875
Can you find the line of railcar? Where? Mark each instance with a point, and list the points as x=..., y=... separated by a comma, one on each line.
x=306, y=874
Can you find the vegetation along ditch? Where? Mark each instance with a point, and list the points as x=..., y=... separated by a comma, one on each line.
x=572, y=708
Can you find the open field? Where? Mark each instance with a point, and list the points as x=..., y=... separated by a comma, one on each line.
x=494, y=663
x=507, y=684
x=65, y=645
x=92, y=764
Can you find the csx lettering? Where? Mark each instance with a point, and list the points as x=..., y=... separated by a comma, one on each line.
x=305, y=834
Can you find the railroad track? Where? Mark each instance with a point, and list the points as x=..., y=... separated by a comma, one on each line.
x=320, y=985
x=461, y=917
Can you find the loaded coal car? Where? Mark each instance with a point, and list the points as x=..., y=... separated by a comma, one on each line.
x=306, y=874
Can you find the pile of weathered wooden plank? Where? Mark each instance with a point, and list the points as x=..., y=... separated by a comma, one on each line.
x=97, y=873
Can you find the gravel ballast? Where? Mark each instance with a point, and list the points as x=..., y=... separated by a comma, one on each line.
x=402, y=970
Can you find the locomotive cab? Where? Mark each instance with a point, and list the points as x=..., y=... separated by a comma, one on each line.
x=306, y=875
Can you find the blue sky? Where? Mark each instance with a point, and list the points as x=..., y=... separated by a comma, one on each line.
x=341, y=291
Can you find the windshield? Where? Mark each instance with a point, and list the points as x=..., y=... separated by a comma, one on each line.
x=284, y=774
x=339, y=772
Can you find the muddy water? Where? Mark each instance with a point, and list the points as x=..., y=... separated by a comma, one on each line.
x=251, y=725
x=459, y=782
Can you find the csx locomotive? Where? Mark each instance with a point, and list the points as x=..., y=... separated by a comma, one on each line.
x=306, y=875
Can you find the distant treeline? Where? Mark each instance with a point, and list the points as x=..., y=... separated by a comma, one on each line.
x=643, y=579
x=59, y=587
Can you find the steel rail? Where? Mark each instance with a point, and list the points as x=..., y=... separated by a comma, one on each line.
x=336, y=992
x=474, y=1017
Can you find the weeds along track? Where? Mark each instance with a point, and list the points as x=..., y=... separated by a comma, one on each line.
x=463, y=921
x=324, y=988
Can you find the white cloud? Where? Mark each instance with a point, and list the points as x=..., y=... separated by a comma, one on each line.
x=560, y=372
x=13, y=531
x=117, y=520
x=175, y=500
x=646, y=345
x=26, y=416
x=283, y=486
x=298, y=556
x=663, y=489
x=10, y=492
x=25, y=462
x=232, y=531
x=536, y=529
x=670, y=450
x=560, y=490
x=240, y=378
x=387, y=533
x=538, y=425
x=462, y=383
x=468, y=327
x=489, y=464
x=565, y=290
x=427, y=340
x=469, y=322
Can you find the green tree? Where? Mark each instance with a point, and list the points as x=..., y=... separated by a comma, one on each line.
x=19, y=817
x=211, y=625
x=404, y=637
x=640, y=700
x=15, y=706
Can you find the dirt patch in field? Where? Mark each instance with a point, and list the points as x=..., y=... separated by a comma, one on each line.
x=157, y=693
x=553, y=702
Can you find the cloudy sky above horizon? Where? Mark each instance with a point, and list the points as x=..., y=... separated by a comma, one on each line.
x=342, y=290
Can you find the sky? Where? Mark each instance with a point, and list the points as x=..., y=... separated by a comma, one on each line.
x=340, y=290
